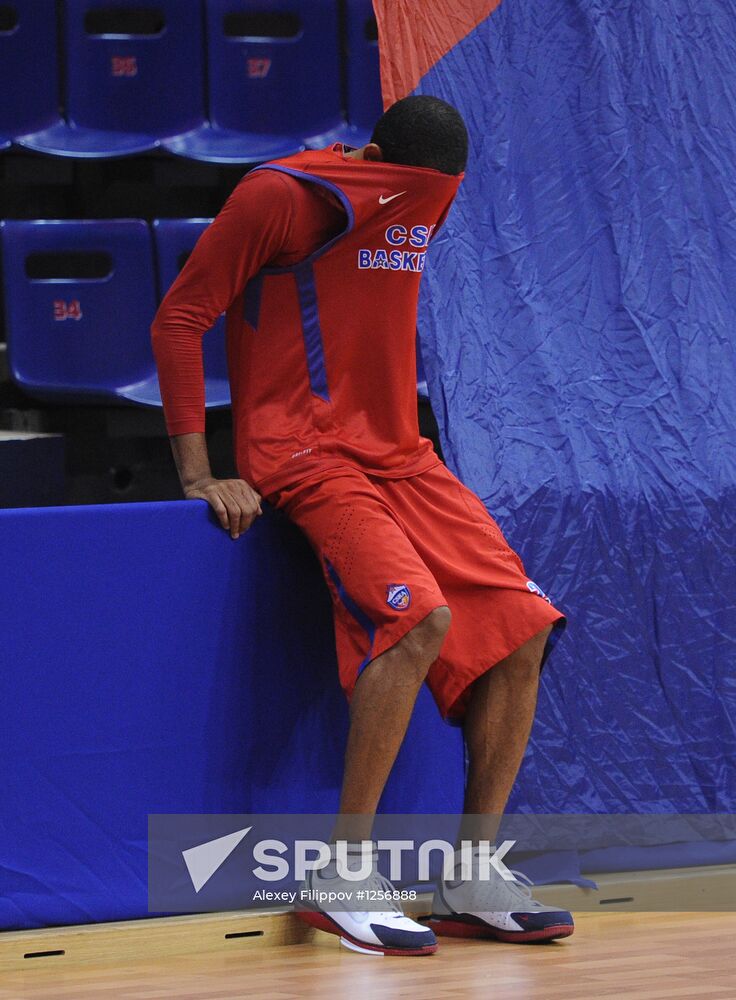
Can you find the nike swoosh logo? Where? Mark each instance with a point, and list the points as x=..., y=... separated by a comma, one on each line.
x=383, y=200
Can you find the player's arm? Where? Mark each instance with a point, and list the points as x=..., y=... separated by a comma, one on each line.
x=234, y=501
x=249, y=232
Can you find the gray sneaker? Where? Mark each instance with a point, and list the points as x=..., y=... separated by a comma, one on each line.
x=496, y=908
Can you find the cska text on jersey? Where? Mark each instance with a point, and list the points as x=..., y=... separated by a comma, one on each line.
x=394, y=259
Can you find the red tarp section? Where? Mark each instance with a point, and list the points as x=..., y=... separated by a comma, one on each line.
x=414, y=36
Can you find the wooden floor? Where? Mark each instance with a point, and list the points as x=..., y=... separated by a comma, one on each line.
x=659, y=956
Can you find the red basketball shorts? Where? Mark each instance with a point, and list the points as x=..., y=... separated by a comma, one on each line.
x=393, y=550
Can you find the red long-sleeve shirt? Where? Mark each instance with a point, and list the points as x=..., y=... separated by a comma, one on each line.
x=317, y=259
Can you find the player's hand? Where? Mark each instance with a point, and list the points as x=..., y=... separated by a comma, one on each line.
x=235, y=503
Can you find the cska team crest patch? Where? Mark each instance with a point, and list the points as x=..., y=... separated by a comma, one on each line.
x=536, y=589
x=398, y=596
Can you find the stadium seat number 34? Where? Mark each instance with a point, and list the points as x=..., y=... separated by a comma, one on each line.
x=67, y=310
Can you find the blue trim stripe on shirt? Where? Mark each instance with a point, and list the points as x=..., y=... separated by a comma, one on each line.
x=303, y=175
x=358, y=614
x=304, y=275
x=312, y=331
x=252, y=301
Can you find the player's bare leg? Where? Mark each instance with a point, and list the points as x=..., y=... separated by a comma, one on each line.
x=497, y=727
x=380, y=710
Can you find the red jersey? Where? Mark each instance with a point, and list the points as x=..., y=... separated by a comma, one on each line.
x=321, y=350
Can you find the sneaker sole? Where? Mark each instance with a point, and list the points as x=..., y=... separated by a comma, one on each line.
x=324, y=923
x=463, y=929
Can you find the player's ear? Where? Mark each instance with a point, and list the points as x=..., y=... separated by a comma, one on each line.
x=373, y=152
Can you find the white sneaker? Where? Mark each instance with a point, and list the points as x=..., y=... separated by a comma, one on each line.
x=327, y=903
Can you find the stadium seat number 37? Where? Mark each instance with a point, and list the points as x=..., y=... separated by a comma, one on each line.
x=258, y=69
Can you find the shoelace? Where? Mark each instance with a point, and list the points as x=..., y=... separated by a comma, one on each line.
x=375, y=882
x=522, y=887
x=379, y=883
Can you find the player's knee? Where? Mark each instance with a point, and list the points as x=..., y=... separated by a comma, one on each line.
x=536, y=645
x=426, y=638
x=527, y=660
x=438, y=624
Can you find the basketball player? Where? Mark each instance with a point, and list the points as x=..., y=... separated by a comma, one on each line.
x=317, y=260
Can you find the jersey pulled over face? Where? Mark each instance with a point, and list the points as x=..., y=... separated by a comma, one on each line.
x=321, y=350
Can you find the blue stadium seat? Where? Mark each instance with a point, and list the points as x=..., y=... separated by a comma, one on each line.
x=133, y=76
x=174, y=240
x=79, y=299
x=365, y=104
x=274, y=81
x=28, y=68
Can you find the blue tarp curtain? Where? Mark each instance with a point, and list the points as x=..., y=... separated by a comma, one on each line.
x=577, y=328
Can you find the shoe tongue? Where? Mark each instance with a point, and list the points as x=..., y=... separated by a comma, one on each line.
x=487, y=850
x=353, y=855
x=475, y=853
x=468, y=860
x=355, y=851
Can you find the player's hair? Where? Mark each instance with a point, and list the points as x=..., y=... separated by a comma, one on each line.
x=423, y=131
